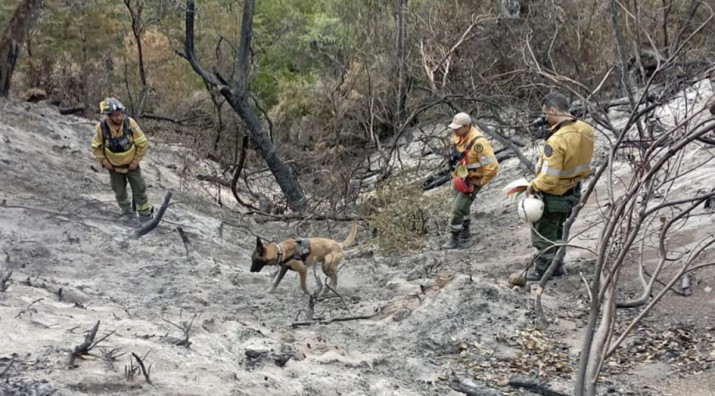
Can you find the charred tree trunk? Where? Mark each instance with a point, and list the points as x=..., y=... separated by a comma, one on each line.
x=237, y=97
x=12, y=38
x=401, y=62
x=135, y=11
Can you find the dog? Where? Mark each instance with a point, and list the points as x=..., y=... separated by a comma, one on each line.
x=299, y=254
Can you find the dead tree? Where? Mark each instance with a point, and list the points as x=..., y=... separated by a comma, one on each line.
x=26, y=14
x=641, y=220
x=135, y=12
x=402, y=80
x=238, y=98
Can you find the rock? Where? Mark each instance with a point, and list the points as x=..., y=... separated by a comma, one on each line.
x=708, y=289
x=401, y=314
x=518, y=278
x=255, y=354
x=281, y=360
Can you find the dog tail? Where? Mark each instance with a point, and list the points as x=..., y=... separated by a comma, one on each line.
x=350, y=240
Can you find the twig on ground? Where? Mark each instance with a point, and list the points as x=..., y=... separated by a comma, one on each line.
x=145, y=371
x=4, y=281
x=185, y=240
x=7, y=368
x=83, y=348
x=588, y=289
x=533, y=385
x=111, y=355
x=338, y=294
x=338, y=319
x=185, y=328
x=131, y=370
x=28, y=308
x=67, y=216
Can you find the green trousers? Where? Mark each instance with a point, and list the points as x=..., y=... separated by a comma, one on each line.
x=557, y=209
x=136, y=181
x=461, y=204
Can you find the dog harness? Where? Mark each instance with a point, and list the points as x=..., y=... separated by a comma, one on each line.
x=301, y=253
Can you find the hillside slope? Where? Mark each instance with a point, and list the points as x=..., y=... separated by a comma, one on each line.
x=442, y=320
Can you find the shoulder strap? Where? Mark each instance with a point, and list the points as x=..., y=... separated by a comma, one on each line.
x=105, y=130
x=471, y=143
x=127, y=127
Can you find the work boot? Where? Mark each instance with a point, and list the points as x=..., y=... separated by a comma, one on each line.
x=454, y=242
x=464, y=235
x=127, y=212
x=536, y=275
x=146, y=216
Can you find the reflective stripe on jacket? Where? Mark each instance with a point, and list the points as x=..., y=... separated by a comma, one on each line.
x=565, y=158
x=120, y=160
x=481, y=162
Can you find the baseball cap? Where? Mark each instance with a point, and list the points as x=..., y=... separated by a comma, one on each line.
x=460, y=120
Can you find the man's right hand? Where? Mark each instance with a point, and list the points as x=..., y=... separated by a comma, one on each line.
x=109, y=167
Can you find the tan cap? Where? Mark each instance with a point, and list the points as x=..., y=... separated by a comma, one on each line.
x=460, y=120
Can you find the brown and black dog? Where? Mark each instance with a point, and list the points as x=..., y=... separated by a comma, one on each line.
x=299, y=254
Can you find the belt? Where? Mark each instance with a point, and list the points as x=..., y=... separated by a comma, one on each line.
x=574, y=190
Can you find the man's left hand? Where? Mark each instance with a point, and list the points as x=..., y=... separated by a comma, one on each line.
x=133, y=166
x=530, y=190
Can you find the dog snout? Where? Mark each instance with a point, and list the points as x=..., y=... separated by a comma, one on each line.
x=257, y=265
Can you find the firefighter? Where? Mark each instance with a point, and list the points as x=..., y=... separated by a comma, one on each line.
x=565, y=160
x=474, y=165
x=120, y=145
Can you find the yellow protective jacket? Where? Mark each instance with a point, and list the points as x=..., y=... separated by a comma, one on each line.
x=565, y=158
x=106, y=149
x=480, y=161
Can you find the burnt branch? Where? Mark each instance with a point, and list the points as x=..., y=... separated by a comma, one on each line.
x=145, y=370
x=5, y=281
x=185, y=240
x=185, y=327
x=82, y=350
x=7, y=368
x=148, y=227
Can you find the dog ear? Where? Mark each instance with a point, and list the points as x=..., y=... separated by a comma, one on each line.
x=259, y=245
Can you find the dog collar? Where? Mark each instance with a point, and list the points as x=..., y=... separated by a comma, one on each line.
x=279, y=259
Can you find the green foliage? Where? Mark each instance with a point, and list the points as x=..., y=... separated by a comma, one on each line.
x=404, y=216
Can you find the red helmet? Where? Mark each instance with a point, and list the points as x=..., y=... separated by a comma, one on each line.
x=462, y=185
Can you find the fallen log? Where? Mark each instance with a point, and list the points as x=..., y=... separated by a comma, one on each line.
x=71, y=110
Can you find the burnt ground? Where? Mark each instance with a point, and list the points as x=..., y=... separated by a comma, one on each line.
x=441, y=321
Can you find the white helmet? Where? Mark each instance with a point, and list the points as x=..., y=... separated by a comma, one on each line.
x=530, y=209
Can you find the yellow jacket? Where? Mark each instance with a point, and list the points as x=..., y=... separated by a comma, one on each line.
x=480, y=161
x=565, y=158
x=119, y=159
